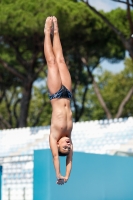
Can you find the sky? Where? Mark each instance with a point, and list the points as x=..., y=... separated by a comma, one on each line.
x=108, y=5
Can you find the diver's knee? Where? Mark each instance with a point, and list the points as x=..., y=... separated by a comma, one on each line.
x=51, y=61
x=60, y=59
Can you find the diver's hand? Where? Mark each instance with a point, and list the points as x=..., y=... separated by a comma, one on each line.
x=60, y=180
x=65, y=179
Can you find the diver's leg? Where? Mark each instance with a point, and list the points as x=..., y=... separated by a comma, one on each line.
x=57, y=48
x=53, y=78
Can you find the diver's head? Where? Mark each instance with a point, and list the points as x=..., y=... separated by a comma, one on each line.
x=64, y=146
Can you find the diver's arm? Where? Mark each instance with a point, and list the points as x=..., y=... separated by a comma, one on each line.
x=69, y=163
x=54, y=150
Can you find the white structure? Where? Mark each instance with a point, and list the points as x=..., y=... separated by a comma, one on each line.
x=17, y=147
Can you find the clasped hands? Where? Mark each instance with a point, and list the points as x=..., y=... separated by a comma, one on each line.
x=61, y=180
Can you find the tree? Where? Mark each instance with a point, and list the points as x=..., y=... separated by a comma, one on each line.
x=8, y=95
x=114, y=88
x=22, y=43
x=117, y=26
x=125, y=36
x=22, y=47
x=88, y=55
x=40, y=108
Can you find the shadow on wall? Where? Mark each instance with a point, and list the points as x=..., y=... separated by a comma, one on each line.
x=93, y=177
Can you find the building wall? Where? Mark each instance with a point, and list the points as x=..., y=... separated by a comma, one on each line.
x=96, y=177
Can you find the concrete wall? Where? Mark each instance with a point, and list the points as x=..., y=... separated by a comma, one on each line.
x=93, y=177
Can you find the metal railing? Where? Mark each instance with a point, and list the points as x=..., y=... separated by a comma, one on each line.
x=21, y=195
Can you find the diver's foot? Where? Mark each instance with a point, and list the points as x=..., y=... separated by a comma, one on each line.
x=55, y=24
x=48, y=25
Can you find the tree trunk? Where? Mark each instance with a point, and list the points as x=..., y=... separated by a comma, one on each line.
x=125, y=100
x=24, y=105
x=79, y=111
x=101, y=100
x=129, y=46
x=3, y=123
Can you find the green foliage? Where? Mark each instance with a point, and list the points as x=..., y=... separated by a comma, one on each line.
x=83, y=36
x=40, y=108
x=119, y=18
x=9, y=106
x=113, y=88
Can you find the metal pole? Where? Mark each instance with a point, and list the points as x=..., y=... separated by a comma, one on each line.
x=9, y=194
x=24, y=194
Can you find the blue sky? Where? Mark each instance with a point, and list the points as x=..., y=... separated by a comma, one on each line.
x=108, y=5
